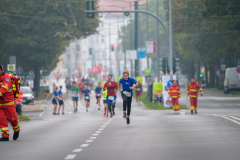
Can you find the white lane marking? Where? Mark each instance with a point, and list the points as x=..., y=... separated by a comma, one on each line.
x=234, y=121
x=95, y=134
x=70, y=112
x=89, y=141
x=103, y=126
x=106, y=123
x=71, y=156
x=98, y=131
x=77, y=150
x=41, y=114
x=84, y=145
x=234, y=118
x=93, y=137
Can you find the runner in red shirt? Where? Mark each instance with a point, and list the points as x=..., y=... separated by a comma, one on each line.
x=112, y=87
x=81, y=88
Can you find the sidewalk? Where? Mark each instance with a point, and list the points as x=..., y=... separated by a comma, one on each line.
x=33, y=108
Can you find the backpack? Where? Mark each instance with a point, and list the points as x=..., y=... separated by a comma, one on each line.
x=15, y=85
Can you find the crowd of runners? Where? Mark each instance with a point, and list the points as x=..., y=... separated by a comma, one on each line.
x=106, y=91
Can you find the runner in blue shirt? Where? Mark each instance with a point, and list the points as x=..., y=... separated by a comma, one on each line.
x=86, y=92
x=127, y=88
x=60, y=101
x=98, y=90
x=54, y=100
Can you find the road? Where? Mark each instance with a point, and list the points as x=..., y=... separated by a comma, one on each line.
x=212, y=134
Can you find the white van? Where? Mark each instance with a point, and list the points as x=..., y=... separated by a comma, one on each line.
x=232, y=80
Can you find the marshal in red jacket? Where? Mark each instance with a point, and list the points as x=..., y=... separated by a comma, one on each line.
x=6, y=93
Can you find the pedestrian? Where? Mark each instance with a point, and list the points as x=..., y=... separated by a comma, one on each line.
x=25, y=83
x=192, y=91
x=18, y=102
x=75, y=92
x=138, y=92
x=174, y=93
x=86, y=93
x=127, y=88
x=7, y=107
x=91, y=83
x=55, y=99
x=98, y=95
x=81, y=88
x=57, y=78
x=68, y=84
x=61, y=100
x=104, y=93
x=112, y=87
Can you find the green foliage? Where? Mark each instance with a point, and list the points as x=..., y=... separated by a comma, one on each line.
x=28, y=31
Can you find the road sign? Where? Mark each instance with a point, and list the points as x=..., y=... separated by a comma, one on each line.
x=169, y=83
x=217, y=68
x=132, y=54
x=148, y=71
x=222, y=61
x=141, y=53
x=150, y=47
x=238, y=69
x=11, y=68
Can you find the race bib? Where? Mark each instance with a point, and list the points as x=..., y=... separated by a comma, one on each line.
x=87, y=97
x=128, y=94
x=98, y=95
x=110, y=98
x=138, y=89
x=75, y=93
x=60, y=98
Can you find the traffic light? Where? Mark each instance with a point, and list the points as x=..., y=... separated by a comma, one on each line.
x=201, y=75
x=90, y=7
x=112, y=46
x=175, y=64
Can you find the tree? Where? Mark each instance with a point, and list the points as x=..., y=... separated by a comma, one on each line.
x=29, y=30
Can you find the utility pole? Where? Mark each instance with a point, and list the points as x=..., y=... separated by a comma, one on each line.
x=136, y=40
x=170, y=39
x=158, y=47
x=125, y=56
x=118, y=49
x=131, y=39
x=147, y=33
x=110, y=67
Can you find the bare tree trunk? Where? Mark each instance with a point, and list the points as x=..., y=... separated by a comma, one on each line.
x=37, y=80
x=206, y=76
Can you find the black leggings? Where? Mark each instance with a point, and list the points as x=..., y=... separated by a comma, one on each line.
x=111, y=106
x=127, y=101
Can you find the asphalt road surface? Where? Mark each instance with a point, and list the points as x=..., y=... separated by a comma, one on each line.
x=213, y=134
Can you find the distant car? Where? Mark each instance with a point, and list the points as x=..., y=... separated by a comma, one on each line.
x=28, y=95
x=231, y=81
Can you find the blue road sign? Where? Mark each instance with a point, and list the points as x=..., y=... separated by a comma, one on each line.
x=169, y=83
x=141, y=53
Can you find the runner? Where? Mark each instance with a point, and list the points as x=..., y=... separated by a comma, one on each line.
x=98, y=95
x=75, y=91
x=86, y=93
x=138, y=92
x=60, y=101
x=81, y=88
x=112, y=87
x=54, y=99
x=104, y=93
x=127, y=86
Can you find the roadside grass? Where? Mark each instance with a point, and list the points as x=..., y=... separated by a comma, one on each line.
x=23, y=118
x=155, y=106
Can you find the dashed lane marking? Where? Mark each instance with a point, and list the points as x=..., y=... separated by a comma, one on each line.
x=84, y=145
x=77, y=150
x=95, y=134
x=103, y=126
x=89, y=141
x=41, y=114
x=71, y=156
x=100, y=129
x=93, y=137
x=227, y=118
x=98, y=132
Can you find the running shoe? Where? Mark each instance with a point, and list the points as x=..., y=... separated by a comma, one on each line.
x=86, y=110
x=63, y=113
x=195, y=112
x=124, y=115
x=104, y=115
x=98, y=109
x=111, y=115
x=16, y=135
x=191, y=112
x=113, y=112
x=76, y=109
x=107, y=116
x=4, y=139
x=128, y=120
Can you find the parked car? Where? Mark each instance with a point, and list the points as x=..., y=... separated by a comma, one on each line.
x=232, y=80
x=28, y=95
